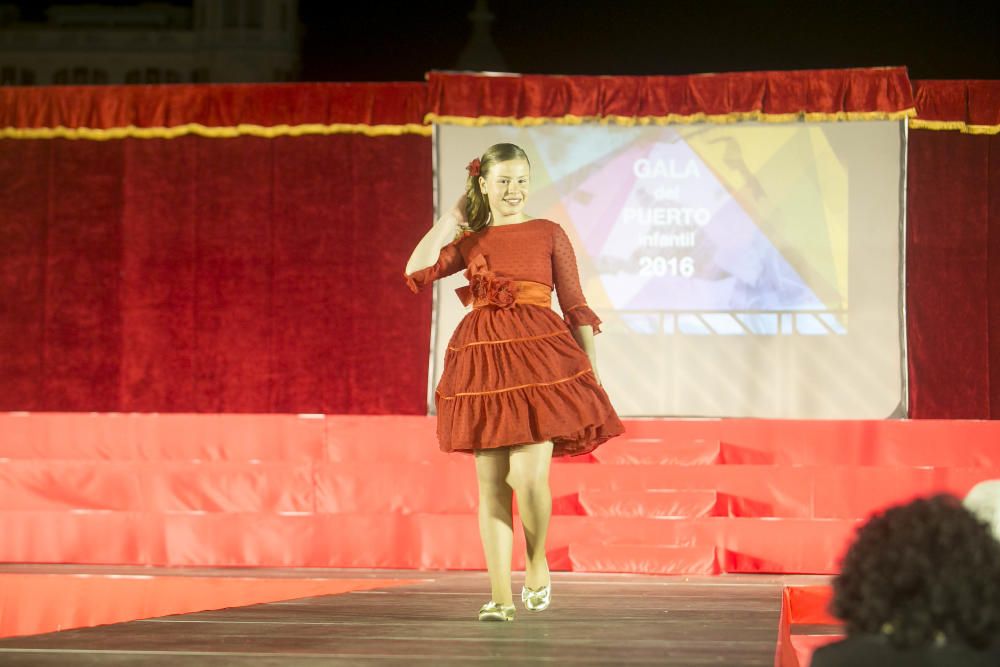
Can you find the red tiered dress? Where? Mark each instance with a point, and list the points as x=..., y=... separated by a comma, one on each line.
x=513, y=374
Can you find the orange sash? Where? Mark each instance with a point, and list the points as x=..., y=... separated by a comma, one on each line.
x=485, y=288
x=526, y=292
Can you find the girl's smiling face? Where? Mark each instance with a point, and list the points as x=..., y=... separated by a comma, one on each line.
x=506, y=187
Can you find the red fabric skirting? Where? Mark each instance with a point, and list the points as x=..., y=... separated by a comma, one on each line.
x=972, y=103
x=887, y=90
x=884, y=90
x=213, y=105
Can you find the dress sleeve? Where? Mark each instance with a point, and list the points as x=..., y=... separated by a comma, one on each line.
x=566, y=280
x=449, y=262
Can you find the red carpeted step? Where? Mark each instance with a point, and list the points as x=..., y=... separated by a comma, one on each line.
x=658, y=451
x=378, y=439
x=81, y=536
x=163, y=486
x=649, y=504
x=743, y=491
x=153, y=436
x=888, y=442
x=161, y=437
x=421, y=541
x=805, y=645
x=810, y=605
x=642, y=559
x=302, y=491
x=450, y=487
x=808, y=619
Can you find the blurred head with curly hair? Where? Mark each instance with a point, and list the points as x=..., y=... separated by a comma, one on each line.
x=924, y=573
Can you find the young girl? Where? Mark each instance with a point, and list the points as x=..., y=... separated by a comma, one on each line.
x=519, y=384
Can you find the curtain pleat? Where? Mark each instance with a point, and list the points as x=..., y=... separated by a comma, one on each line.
x=220, y=110
x=836, y=94
x=245, y=275
x=953, y=323
x=968, y=106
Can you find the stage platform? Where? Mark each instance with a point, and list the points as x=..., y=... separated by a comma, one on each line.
x=386, y=617
x=290, y=491
x=171, y=516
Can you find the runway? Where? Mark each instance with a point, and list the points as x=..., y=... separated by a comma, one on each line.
x=595, y=619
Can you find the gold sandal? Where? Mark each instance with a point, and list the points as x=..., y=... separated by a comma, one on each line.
x=491, y=611
x=537, y=599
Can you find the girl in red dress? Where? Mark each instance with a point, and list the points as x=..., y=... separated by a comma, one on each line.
x=519, y=384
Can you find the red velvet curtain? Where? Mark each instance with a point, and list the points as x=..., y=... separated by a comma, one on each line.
x=953, y=251
x=953, y=275
x=263, y=275
x=213, y=275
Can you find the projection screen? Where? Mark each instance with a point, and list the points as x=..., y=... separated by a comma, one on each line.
x=741, y=270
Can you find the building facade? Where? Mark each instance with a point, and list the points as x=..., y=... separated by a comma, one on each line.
x=218, y=41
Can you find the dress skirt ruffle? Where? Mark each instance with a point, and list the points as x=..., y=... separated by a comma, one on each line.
x=516, y=376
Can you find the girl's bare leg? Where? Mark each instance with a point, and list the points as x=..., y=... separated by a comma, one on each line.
x=496, y=522
x=529, y=477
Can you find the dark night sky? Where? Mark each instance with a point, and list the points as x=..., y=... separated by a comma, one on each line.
x=934, y=39
x=347, y=41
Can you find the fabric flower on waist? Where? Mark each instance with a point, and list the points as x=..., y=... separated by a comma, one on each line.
x=485, y=287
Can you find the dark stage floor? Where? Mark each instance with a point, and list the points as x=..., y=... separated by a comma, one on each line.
x=594, y=620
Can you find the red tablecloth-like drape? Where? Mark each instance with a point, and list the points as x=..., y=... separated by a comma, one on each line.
x=815, y=94
x=395, y=108
x=968, y=106
x=225, y=110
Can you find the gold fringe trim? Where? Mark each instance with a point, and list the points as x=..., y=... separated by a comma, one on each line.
x=952, y=125
x=522, y=386
x=223, y=132
x=273, y=131
x=670, y=119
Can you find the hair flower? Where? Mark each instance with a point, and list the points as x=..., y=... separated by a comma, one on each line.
x=473, y=168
